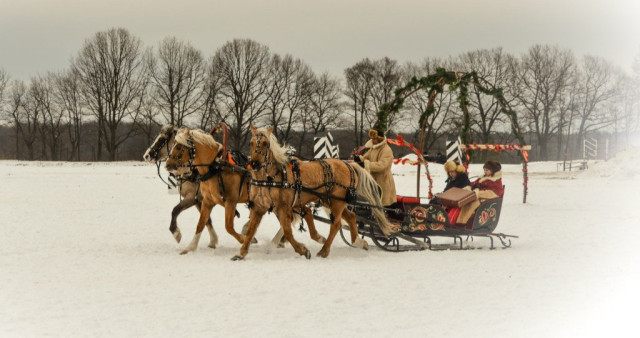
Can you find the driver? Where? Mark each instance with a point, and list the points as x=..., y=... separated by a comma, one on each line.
x=377, y=161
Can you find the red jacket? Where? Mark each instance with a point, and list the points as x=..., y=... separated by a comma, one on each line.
x=493, y=183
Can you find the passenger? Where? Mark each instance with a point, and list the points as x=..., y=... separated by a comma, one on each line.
x=377, y=161
x=456, y=177
x=486, y=187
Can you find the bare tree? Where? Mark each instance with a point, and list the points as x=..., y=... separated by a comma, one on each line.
x=242, y=67
x=281, y=74
x=387, y=77
x=446, y=116
x=326, y=103
x=69, y=98
x=25, y=115
x=112, y=70
x=595, y=86
x=493, y=66
x=290, y=91
x=567, y=114
x=51, y=115
x=211, y=111
x=177, y=75
x=4, y=82
x=541, y=75
x=148, y=120
x=323, y=109
x=360, y=79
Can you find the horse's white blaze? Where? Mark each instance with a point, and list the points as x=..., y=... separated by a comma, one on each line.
x=147, y=155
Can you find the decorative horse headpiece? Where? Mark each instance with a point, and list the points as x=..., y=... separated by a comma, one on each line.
x=160, y=145
x=176, y=162
x=260, y=146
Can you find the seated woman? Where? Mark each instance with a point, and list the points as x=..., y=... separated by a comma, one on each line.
x=486, y=187
x=456, y=177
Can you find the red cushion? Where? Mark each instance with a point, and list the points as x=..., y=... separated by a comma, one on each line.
x=407, y=199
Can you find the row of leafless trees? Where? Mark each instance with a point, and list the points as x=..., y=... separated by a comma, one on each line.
x=557, y=97
x=125, y=91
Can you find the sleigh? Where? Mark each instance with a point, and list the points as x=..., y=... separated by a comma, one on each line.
x=417, y=223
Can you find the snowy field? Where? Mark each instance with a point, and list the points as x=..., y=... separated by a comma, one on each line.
x=85, y=251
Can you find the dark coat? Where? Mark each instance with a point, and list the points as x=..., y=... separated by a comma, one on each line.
x=461, y=181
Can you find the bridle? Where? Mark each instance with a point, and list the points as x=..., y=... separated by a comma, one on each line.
x=178, y=158
x=164, y=143
x=214, y=167
x=263, y=152
x=154, y=154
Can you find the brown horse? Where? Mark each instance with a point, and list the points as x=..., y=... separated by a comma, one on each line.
x=285, y=185
x=220, y=183
x=188, y=187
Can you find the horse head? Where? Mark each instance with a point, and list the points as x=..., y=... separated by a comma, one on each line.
x=191, y=149
x=159, y=149
x=260, y=146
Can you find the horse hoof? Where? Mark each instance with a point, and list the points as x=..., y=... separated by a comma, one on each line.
x=308, y=254
x=212, y=246
x=321, y=240
x=365, y=246
x=184, y=252
x=322, y=254
x=254, y=241
x=280, y=245
x=177, y=235
x=237, y=258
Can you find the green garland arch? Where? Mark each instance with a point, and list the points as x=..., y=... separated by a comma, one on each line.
x=435, y=84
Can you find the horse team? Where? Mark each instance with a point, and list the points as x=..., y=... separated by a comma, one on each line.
x=274, y=181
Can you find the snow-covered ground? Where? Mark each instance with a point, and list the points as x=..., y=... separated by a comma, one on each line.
x=85, y=251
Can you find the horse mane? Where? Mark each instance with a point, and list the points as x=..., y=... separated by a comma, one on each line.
x=198, y=136
x=279, y=152
x=166, y=129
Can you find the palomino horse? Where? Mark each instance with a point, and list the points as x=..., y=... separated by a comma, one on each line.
x=220, y=182
x=285, y=185
x=188, y=187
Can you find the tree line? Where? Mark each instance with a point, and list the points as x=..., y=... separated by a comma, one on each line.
x=116, y=93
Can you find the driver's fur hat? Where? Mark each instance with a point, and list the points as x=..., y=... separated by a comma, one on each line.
x=453, y=166
x=376, y=133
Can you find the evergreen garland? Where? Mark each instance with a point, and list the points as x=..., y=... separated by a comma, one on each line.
x=434, y=84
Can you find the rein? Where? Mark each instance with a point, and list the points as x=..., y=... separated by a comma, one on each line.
x=171, y=182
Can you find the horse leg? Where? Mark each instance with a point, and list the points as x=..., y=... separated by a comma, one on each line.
x=180, y=207
x=285, y=224
x=254, y=221
x=229, y=213
x=336, y=210
x=350, y=218
x=205, y=212
x=213, y=237
x=308, y=217
x=279, y=239
x=245, y=228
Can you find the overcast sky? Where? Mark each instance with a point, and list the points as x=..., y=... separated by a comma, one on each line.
x=37, y=36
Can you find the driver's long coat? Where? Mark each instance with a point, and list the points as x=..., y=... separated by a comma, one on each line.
x=378, y=161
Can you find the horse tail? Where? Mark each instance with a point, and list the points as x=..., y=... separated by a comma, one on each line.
x=369, y=190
